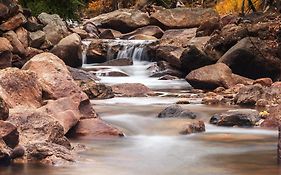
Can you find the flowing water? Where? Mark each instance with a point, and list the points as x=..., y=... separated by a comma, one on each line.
x=153, y=146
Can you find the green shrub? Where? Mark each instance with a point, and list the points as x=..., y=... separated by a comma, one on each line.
x=68, y=9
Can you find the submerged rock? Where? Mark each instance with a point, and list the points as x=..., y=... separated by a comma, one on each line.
x=175, y=111
x=193, y=127
x=131, y=90
x=239, y=117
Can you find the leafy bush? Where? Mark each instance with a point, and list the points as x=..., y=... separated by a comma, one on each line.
x=68, y=9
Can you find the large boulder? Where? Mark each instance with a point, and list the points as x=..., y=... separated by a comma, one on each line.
x=20, y=87
x=69, y=49
x=213, y=76
x=96, y=52
x=95, y=127
x=239, y=117
x=176, y=111
x=124, y=20
x=35, y=126
x=181, y=36
x=253, y=58
x=55, y=28
x=13, y=22
x=183, y=17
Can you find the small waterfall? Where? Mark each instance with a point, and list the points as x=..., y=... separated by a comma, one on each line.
x=86, y=44
x=132, y=49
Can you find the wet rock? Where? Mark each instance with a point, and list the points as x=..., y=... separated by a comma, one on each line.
x=49, y=153
x=33, y=25
x=13, y=22
x=95, y=128
x=18, y=47
x=213, y=76
x=253, y=58
x=168, y=77
x=154, y=31
x=5, y=152
x=35, y=126
x=96, y=52
x=183, y=17
x=131, y=90
x=20, y=87
x=175, y=111
x=112, y=73
x=249, y=95
x=55, y=28
x=97, y=90
x=264, y=82
x=22, y=35
x=36, y=39
x=118, y=62
x=193, y=127
x=9, y=134
x=69, y=49
x=167, y=72
x=123, y=20
x=239, y=117
x=5, y=45
x=171, y=54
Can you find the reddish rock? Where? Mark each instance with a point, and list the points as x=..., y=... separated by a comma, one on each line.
x=96, y=128
x=5, y=59
x=193, y=127
x=154, y=31
x=180, y=35
x=184, y=17
x=271, y=122
x=20, y=87
x=18, y=47
x=22, y=35
x=9, y=134
x=264, y=82
x=97, y=90
x=69, y=49
x=82, y=33
x=13, y=22
x=118, y=62
x=110, y=34
x=5, y=45
x=131, y=90
x=4, y=110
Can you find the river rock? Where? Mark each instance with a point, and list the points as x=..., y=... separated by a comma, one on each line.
x=264, y=82
x=239, y=117
x=253, y=58
x=154, y=31
x=110, y=34
x=81, y=75
x=69, y=49
x=35, y=126
x=36, y=39
x=5, y=45
x=176, y=111
x=170, y=54
x=22, y=35
x=5, y=59
x=249, y=95
x=193, y=127
x=20, y=87
x=180, y=35
x=142, y=37
x=131, y=90
x=5, y=153
x=95, y=127
x=92, y=29
x=213, y=76
x=96, y=52
x=97, y=90
x=13, y=22
x=18, y=47
x=9, y=134
x=82, y=33
x=4, y=110
x=55, y=28
x=48, y=153
x=183, y=17
x=33, y=25
x=123, y=20
x=118, y=62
